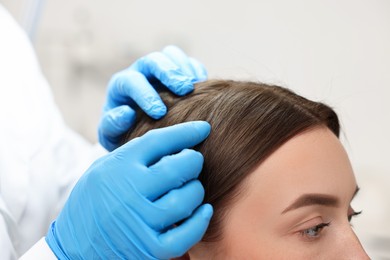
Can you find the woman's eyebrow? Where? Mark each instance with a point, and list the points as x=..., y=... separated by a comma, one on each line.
x=316, y=199
x=313, y=199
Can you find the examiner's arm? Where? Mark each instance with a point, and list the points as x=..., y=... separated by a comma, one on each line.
x=40, y=157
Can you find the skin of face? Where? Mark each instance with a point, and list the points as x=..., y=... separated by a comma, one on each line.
x=271, y=219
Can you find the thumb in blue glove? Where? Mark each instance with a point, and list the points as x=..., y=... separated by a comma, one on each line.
x=135, y=87
x=128, y=203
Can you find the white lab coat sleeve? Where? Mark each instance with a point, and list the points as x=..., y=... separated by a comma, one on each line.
x=40, y=250
x=40, y=157
x=7, y=229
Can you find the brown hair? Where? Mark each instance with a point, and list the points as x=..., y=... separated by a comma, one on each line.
x=249, y=122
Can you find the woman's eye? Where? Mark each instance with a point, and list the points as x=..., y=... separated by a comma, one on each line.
x=314, y=232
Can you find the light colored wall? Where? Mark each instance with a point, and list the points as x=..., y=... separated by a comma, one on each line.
x=334, y=51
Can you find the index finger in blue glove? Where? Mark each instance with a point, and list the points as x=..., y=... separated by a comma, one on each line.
x=159, y=66
x=157, y=143
x=130, y=86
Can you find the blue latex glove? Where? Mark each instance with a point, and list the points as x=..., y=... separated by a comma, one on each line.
x=127, y=204
x=135, y=87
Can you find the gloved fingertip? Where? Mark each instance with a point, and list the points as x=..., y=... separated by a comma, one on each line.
x=207, y=211
x=178, y=82
x=202, y=127
x=194, y=80
x=157, y=111
x=104, y=140
x=186, y=87
x=114, y=124
x=122, y=118
x=109, y=146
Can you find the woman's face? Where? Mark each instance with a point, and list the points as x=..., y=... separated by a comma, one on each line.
x=295, y=205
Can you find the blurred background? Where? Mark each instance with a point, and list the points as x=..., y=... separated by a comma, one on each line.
x=333, y=51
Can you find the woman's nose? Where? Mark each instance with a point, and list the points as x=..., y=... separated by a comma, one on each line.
x=351, y=248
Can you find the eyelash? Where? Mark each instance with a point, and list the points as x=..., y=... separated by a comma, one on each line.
x=354, y=214
x=317, y=229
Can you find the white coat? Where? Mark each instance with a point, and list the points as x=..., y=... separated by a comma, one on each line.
x=40, y=157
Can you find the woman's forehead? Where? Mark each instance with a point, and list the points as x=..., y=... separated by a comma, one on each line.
x=311, y=162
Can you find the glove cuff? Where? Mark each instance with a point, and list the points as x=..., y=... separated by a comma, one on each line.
x=54, y=243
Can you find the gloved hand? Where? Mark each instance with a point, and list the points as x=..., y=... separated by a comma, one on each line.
x=135, y=86
x=128, y=203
